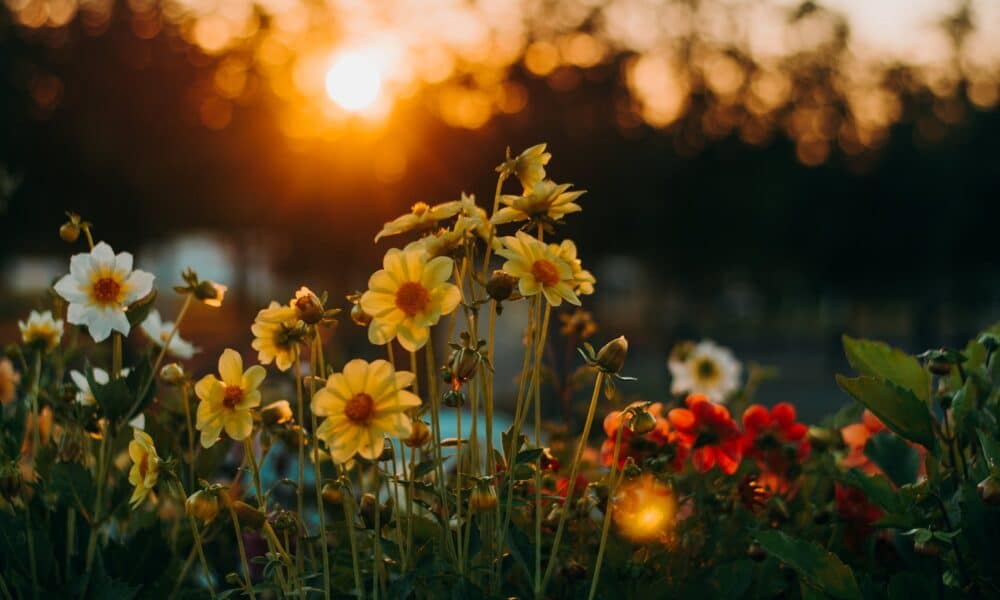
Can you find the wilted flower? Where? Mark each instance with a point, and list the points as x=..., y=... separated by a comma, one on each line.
x=709, y=432
x=645, y=509
x=705, y=368
x=41, y=329
x=544, y=201
x=227, y=404
x=84, y=395
x=145, y=466
x=159, y=330
x=362, y=404
x=9, y=378
x=583, y=280
x=407, y=296
x=99, y=287
x=538, y=269
x=528, y=166
x=203, y=505
x=421, y=217
x=278, y=333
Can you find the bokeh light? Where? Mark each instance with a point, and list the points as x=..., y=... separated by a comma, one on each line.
x=354, y=81
x=645, y=509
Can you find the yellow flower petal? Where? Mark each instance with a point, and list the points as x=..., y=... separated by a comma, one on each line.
x=231, y=367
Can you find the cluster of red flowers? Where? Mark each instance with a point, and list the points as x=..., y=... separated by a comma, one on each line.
x=707, y=433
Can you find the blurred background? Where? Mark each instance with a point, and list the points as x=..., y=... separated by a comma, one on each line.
x=767, y=173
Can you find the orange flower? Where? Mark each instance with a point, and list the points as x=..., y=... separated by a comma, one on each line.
x=707, y=429
x=856, y=436
x=639, y=447
x=776, y=441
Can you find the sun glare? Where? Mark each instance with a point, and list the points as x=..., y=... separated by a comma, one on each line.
x=354, y=81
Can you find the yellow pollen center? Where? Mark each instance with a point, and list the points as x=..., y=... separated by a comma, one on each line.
x=359, y=408
x=545, y=272
x=412, y=298
x=234, y=394
x=106, y=290
x=420, y=208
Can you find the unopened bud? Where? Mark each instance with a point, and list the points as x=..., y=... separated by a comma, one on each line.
x=172, y=374
x=483, y=499
x=202, y=505
x=359, y=316
x=284, y=520
x=611, y=358
x=631, y=470
x=276, y=413
x=820, y=438
x=642, y=423
x=464, y=364
x=369, y=504
x=333, y=493
x=928, y=548
x=308, y=306
x=69, y=232
x=420, y=434
x=453, y=398
x=248, y=515
x=989, y=490
x=940, y=367
x=501, y=285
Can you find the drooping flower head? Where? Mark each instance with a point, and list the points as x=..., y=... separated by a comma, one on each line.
x=362, y=404
x=583, y=280
x=776, y=441
x=538, y=269
x=545, y=201
x=407, y=296
x=528, y=166
x=711, y=434
x=278, y=332
x=145, y=466
x=421, y=217
x=9, y=378
x=41, y=329
x=228, y=404
x=704, y=368
x=99, y=287
x=159, y=330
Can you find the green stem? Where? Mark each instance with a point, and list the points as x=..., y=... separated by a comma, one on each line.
x=31, y=551
x=606, y=527
x=436, y=430
x=537, y=385
x=243, y=550
x=319, y=367
x=348, y=504
x=163, y=352
x=186, y=396
x=299, y=488
x=377, y=547
x=254, y=472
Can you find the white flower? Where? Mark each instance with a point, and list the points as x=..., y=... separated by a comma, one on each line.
x=99, y=287
x=704, y=368
x=41, y=328
x=159, y=330
x=85, y=396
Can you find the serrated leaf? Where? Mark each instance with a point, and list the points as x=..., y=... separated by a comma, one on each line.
x=821, y=569
x=878, y=359
x=876, y=488
x=897, y=458
x=900, y=410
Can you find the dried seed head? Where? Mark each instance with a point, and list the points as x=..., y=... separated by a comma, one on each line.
x=501, y=285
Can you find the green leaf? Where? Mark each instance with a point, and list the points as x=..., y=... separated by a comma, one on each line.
x=895, y=456
x=897, y=407
x=114, y=397
x=909, y=586
x=819, y=568
x=878, y=359
x=876, y=487
x=427, y=466
x=529, y=456
x=139, y=310
x=732, y=580
x=991, y=450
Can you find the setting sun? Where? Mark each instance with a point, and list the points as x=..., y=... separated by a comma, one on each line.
x=354, y=82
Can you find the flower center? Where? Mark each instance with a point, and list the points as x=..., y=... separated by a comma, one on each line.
x=234, y=394
x=106, y=290
x=144, y=465
x=412, y=298
x=706, y=369
x=545, y=272
x=359, y=408
x=420, y=208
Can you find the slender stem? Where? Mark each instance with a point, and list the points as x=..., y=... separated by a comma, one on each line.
x=36, y=430
x=612, y=489
x=572, y=478
x=28, y=529
x=300, y=486
x=186, y=396
x=116, y=356
x=377, y=539
x=103, y=458
x=254, y=472
x=458, y=487
x=163, y=350
x=243, y=550
x=70, y=540
x=348, y=504
x=318, y=363
x=394, y=494
x=537, y=385
x=436, y=431
x=489, y=242
x=90, y=239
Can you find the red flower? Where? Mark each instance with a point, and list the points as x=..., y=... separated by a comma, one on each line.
x=710, y=432
x=857, y=513
x=776, y=441
x=640, y=447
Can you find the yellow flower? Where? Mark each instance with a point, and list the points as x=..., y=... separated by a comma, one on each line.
x=99, y=287
x=421, y=216
x=277, y=332
x=546, y=200
x=363, y=404
x=538, y=269
x=227, y=404
x=41, y=328
x=407, y=296
x=583, y=280
x=528, y=166
x=471, y=223
x=145, y=466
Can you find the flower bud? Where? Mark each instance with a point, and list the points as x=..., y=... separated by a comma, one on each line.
x=820, y=438
x=940, y=367
x=333, y=493
x=501, y=285
x=69, y=232
x=248, y=515
x=631, y=470
x=483, y=499
x=419, y=435
x=453, y=399
x=203, y=506
x=369, y=504
x=928, y=548
x=359, y=316
x=642, y=423
x=388, y=452
x=989, y=490
x=308, y=306
x=172, y=374
x=464, y=364
x=276, y=413
x=611, y=357
x=284, y=520
x=756, y=552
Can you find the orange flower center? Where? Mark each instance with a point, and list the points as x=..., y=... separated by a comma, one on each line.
x=106, y=290
x=234, y=394
x=420, y=208
x=545, y=272
x=412, y=298
x=359, y=408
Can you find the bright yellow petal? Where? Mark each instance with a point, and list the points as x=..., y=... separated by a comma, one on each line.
x=253, y=377
x=203, y=388
x=239, y=424
x=437, y=271
x=231, y=367
x=381, y=331
x=324, y=403
x=411, y=336
x=356, y=375
x=377, y=303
